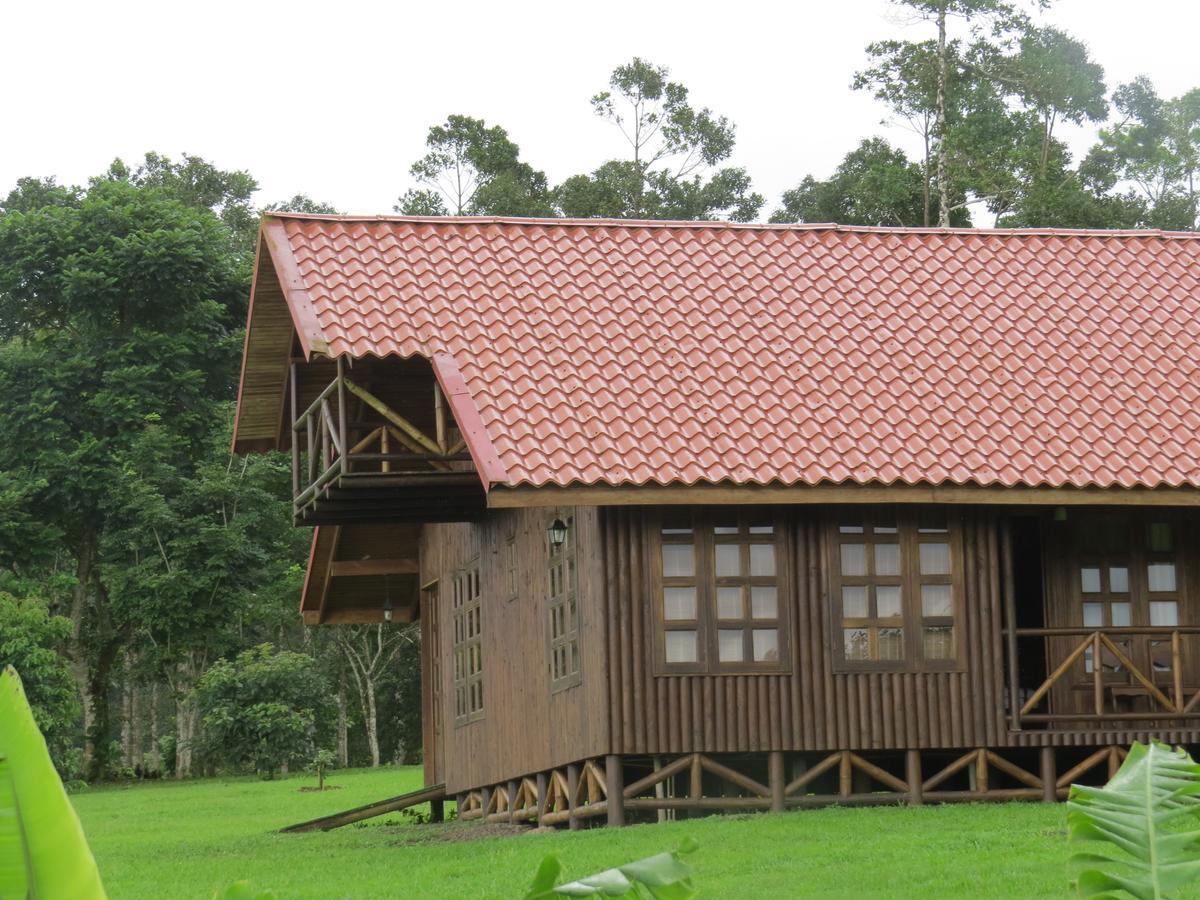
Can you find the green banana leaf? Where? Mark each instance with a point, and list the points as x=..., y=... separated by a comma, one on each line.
x=662, y=877
x=1146, y=823
x=43, y=853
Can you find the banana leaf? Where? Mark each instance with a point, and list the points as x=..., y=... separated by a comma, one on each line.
x=43, y=853
x=1145, y=825
x=662, y=877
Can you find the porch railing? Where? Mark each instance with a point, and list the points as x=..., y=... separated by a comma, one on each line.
x=327, y=444
x=1170, y=699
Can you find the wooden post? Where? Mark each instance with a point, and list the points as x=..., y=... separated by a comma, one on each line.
x=341, y=419
x=696, y=789
x=845, y=775
x=485, y=801
x=572, y=794
x=1049, y=776
x=512, y=801
x=437, y=811
x=615, y=781
x=541, y=797
x=1177, y=671
x=775, y=779
x=912, y=774
x=1098, y=673
x=295, y=436
x=981, y=772
x=1010, y=624
x=439, y=414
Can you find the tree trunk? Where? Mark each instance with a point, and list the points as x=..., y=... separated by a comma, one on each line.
x=99, y=678
x=154, y=764
x=186, y=714
x=343, y=728
x=372, y=723
x=943, y=188
x=85, y=558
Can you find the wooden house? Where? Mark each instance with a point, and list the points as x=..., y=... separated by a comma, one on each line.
x=705, y=516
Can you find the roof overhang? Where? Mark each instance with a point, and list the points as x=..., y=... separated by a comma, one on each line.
x=357, y=574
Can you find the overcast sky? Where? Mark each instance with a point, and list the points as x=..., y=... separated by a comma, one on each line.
x=334, y=98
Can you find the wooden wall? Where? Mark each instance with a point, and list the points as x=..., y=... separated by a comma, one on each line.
x=524, y=728
x=810, y=708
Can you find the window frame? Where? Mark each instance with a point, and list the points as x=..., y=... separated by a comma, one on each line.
x=908, y=536
x=704, y=579
x=466, y=597
x=567, y=600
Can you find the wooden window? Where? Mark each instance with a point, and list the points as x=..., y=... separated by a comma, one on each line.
x=466, y=605
x=511, y=585
x=563, y=608
x=720, y=604
x=896, y=589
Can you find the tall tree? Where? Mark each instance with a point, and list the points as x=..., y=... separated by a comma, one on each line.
x=472, y=169
x=370, y=651
x=675, y=149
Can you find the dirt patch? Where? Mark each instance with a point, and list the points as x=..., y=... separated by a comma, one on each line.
x=452, y=832
x=309, y=789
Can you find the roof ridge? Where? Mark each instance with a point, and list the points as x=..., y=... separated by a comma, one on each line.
x=718, y=225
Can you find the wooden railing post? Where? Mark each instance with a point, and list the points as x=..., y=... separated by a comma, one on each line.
x=343, y=446
x=1010, y=621
x=1098, y=673
x=1176, y=670
x=295, y=435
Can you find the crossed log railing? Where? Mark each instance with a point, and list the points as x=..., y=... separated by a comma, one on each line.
x=322, y=435
x=1173, y=701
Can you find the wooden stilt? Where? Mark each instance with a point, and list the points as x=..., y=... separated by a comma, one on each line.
x=437, y=811
x=572, y=795
x=1049, y=776
x=541, y=796
x=512, y=801
x=912, y=773
x=845, y=775
x=775, y=779
x=614, y=779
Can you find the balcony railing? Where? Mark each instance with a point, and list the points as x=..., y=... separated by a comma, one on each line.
x=327, y=446
x=1100, y=665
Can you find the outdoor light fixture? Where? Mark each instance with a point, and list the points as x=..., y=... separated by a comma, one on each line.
x=558, y=534
x=387, y=600
x=1060, y=514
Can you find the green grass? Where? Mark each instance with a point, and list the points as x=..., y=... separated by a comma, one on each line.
x=170, y=840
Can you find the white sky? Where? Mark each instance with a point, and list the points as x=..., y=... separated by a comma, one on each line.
x=334, y=99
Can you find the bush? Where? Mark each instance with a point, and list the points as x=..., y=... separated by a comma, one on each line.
x=263, y=709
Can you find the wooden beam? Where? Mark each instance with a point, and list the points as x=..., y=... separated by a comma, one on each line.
x=502, y=496
x=394, y=417
x=357, y=615
x=352, y=567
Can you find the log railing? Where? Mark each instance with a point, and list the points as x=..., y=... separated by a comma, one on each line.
x=1173, y=701
x=327, y=444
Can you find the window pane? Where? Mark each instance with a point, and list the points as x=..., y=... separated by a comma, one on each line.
x=1089, y=580
x=887, y=559
x=729, y=603
x=730, y=646
x=887, y=601
x=854, y=643
x=679, y=526
x=1164, y=613
x=1160, y=576
x=762, y=559
x=935, y=559
x=766, y=645
x=729, y=560
x=854, y=602
x=679, y=603
x=681, y=646
x=1118, y=580
x=679, y=560
x=1120, y=613
x=891, y=643
x=936, y=600
x=854, y=559
x=850, y=529
x=885, y=528
x=1093, y=615
x=1158, y=537
x=939, y=642
x=764, y=603
x=762, y=529
x=725, y=529
x=932, y=521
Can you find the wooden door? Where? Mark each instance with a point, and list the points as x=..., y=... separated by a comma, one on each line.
x=432, y=718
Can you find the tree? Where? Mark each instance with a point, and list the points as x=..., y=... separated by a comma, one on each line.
x=29, y=640
x=1156, y=147
x=263, y=710
x=675, y=149
x=301, y=203
x=370, y=651
x=472, y=169
x=876, y=184
x=115, y=310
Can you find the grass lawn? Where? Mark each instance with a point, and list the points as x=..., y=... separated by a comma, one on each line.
x=167, y=840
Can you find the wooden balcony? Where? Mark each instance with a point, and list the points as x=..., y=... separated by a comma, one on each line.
x=355, y=458
x=1110, y=678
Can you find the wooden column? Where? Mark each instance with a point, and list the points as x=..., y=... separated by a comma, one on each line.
x=615, y=783
x=485, y=801
x=437, y=811
x=572, y=792
x=776, y=779
x=541, y=798
x=292, y=389
x=512, y=800
x=1010, y=625
x=341, y=418
x=1049, y=776
x=912, y=774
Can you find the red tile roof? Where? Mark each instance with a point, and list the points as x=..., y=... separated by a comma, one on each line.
x=631, y=353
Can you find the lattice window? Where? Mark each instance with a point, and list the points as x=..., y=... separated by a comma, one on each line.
x=563, y=608
x=720, y=607
x=896, y=590
x=511, y=585
x=467, y=608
